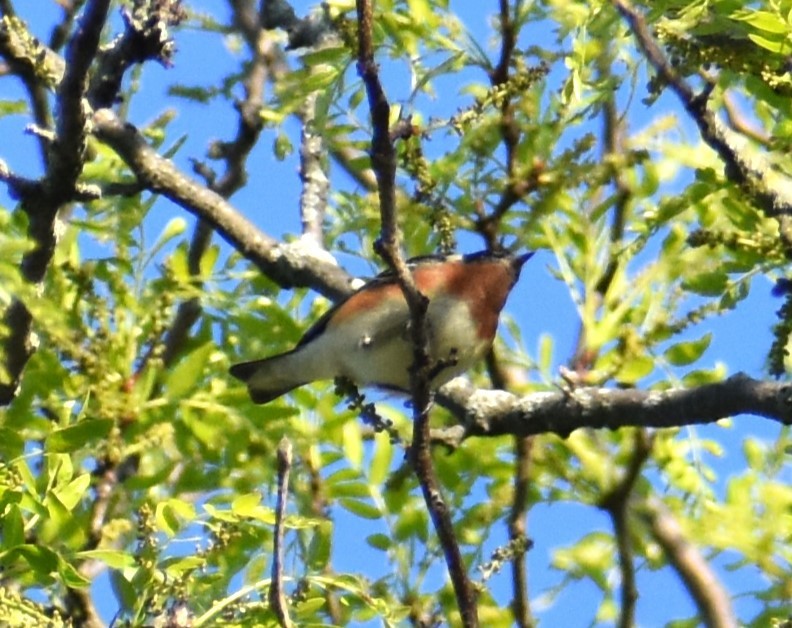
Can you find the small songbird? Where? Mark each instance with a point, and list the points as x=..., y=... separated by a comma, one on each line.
x=366, y=337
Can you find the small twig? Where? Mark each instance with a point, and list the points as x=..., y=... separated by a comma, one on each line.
x=613, y=148
x=320, y=508
x=517, y=521
x=738, y=122
x=235, y=154
x=714, y=605
x=276, y=596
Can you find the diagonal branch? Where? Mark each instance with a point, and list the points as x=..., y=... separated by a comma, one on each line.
x=711, y=599
x=289, y=266
x=753, y=174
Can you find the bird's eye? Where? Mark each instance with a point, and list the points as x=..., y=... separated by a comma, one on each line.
x=365, y=342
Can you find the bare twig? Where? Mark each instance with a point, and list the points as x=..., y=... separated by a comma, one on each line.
x=517, y=521
x=277, y=597
x=487, y=225
x=612, y=149
x=320, y=509
x=712, y=600
x=383, y=159
x=738, y=122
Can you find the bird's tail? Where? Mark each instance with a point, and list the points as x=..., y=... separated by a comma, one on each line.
x=270, y=378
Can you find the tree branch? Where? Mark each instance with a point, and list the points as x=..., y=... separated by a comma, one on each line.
x=287, y=265
x=494, y=413
x=616, y=503
x=276, y=596
x=235, y=154
x=58, y=186
x=315, y=184
x=383, y=159
x=754, y=175
x=712, y=601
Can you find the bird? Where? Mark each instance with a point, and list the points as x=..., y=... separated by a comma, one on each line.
x=366, y=337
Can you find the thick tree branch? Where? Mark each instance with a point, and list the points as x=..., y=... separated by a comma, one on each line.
x=145, y=37
x=494, y=413
x=518, y=530
x=67, y=151
x=287, y=265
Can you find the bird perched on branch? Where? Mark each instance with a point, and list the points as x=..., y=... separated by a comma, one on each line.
x=366, y=338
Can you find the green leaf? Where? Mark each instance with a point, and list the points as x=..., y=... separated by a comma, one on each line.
x=360, y=508
x=704, y=376
x=763, y=21
x=708, y=284
x=75, y=437
x=282, y=146
x=685, y=353
x=175, y=567
x=320, y=546
x=381, y=460
x=170, y=514
x=185, y=375
x=71, y=494
x=777, y=46
x=634, y=369
x=308, y=608
x=246, y=505
x=41, y=559
x=379, y=541
x=71, y=577
x=116, y=559
x=13, y=107
x=353, y=443
x=13, y=527
x=11, y=443
x=348, y=489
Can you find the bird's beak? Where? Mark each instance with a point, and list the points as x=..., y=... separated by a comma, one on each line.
x=518, y=262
